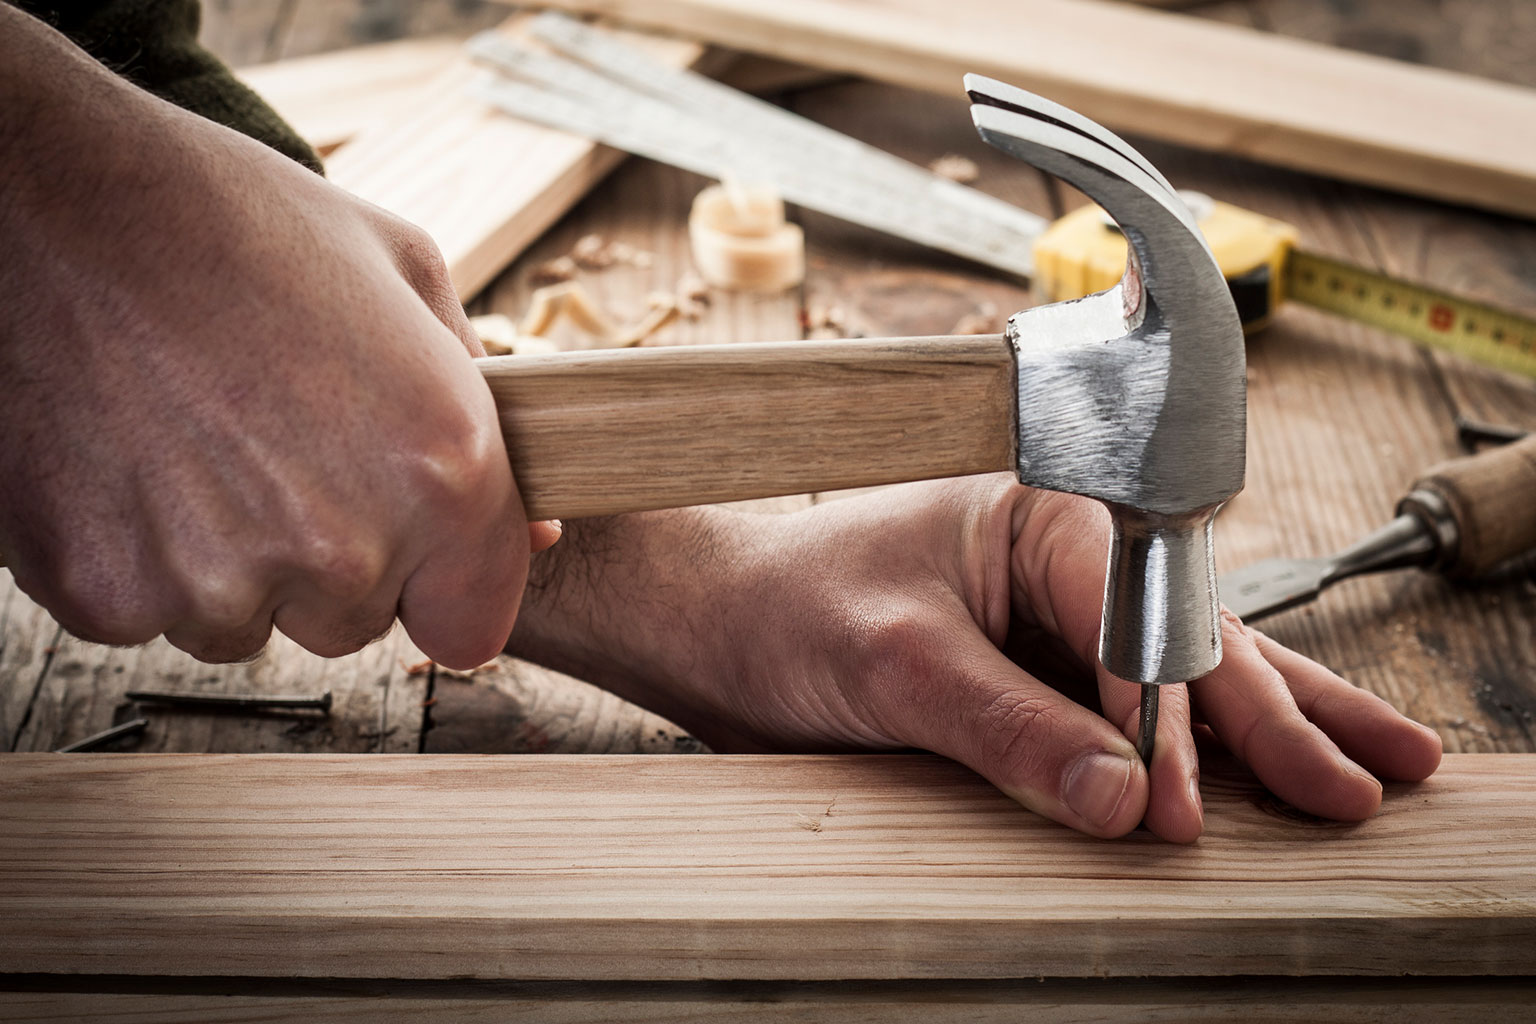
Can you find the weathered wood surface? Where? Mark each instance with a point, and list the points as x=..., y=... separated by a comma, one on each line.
x=1037, y=1001
x=592, y=868
x=1342, y=417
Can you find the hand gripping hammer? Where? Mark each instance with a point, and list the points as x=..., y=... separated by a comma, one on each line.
x=1134, y=396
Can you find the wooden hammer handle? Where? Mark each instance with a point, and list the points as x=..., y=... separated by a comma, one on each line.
x=626, y=430
x=604, y=432
x=1492, y=498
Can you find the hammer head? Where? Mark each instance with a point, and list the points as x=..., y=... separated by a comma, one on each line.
x=1135, y=396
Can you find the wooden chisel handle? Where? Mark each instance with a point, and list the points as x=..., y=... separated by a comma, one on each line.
x=1490, y=501
x=610, y=431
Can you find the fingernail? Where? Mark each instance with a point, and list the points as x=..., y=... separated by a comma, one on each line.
x=1096, y=786
x=1194, y=796
x=558, y=525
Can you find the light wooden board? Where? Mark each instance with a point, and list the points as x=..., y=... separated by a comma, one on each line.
x=1195, y=82
x=642, y=868
x=328, y=98
x=1036, y=1001
x=482, y=184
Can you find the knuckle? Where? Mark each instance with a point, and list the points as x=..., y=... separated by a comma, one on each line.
x=418, y=256
x=342, y=567
x=222, y=648
x=896, y=647
x=463, y=470
x=99, y=604
x=222, y=602
x=342, y=639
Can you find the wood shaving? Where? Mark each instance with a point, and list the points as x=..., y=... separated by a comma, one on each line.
x=594, y=252
x=553, y=272
x=984, y=320
x=956, y=168
x=501, y=337
x=693, y=296
x=741, y=240
x=569, y=300
x=823, y=320
x=662, y=310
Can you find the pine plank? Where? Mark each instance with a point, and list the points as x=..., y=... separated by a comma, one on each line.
x=328, y=98
x=482, y=184
x=777, y=867
x=1038, y=1001
x=1195, y=82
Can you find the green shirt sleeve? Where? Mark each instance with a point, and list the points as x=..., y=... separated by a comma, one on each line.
x=153, y=43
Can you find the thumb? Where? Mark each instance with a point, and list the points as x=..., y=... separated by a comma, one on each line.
x=1049, y=753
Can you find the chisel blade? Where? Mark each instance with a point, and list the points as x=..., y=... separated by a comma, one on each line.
x=1273, y=585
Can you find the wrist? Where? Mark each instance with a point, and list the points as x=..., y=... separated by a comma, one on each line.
x=638, y=604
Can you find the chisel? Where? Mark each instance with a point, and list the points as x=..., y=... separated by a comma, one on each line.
x=1462, y=518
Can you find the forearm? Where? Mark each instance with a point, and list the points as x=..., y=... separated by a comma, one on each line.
x=634, y=603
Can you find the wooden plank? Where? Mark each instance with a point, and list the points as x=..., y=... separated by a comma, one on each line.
x=1042, y=1001
x=777, y=867
x=1201, y=83
x=482, y=184
x=314, y=26
x=331, y=97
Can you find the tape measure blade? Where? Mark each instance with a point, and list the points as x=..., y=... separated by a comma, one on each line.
x=560, y=94
x=1488, y=335
x=772, y=125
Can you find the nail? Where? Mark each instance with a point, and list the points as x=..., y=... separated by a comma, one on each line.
x=239, y=701
x=104, y=737
x=1096, y=785
x=1194, y=796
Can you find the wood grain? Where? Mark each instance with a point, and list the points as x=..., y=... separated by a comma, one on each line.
x=328, y=98
x=482, y=184
x=615, y=868
x=598, y=433
x=1199, y=83
x=1038, y=1001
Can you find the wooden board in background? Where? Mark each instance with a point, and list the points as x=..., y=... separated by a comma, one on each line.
x=688, y=869
x=482, y=184
x=1169, y=76
x=328, y=98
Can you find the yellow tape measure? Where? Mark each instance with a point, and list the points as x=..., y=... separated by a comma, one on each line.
x=1083, y=253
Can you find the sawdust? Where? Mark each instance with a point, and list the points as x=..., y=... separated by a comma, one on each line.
x=591, y=252
x=985, y=320
x=553, y=271
x=956, y=168
x=572, y=303
x=824, y=320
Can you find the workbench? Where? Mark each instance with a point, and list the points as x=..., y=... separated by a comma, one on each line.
x=1342, y=418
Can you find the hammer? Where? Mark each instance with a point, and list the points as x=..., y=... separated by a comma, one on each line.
x=1134, y=396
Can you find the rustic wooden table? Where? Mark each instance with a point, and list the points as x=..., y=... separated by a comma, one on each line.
x=1342, y=417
